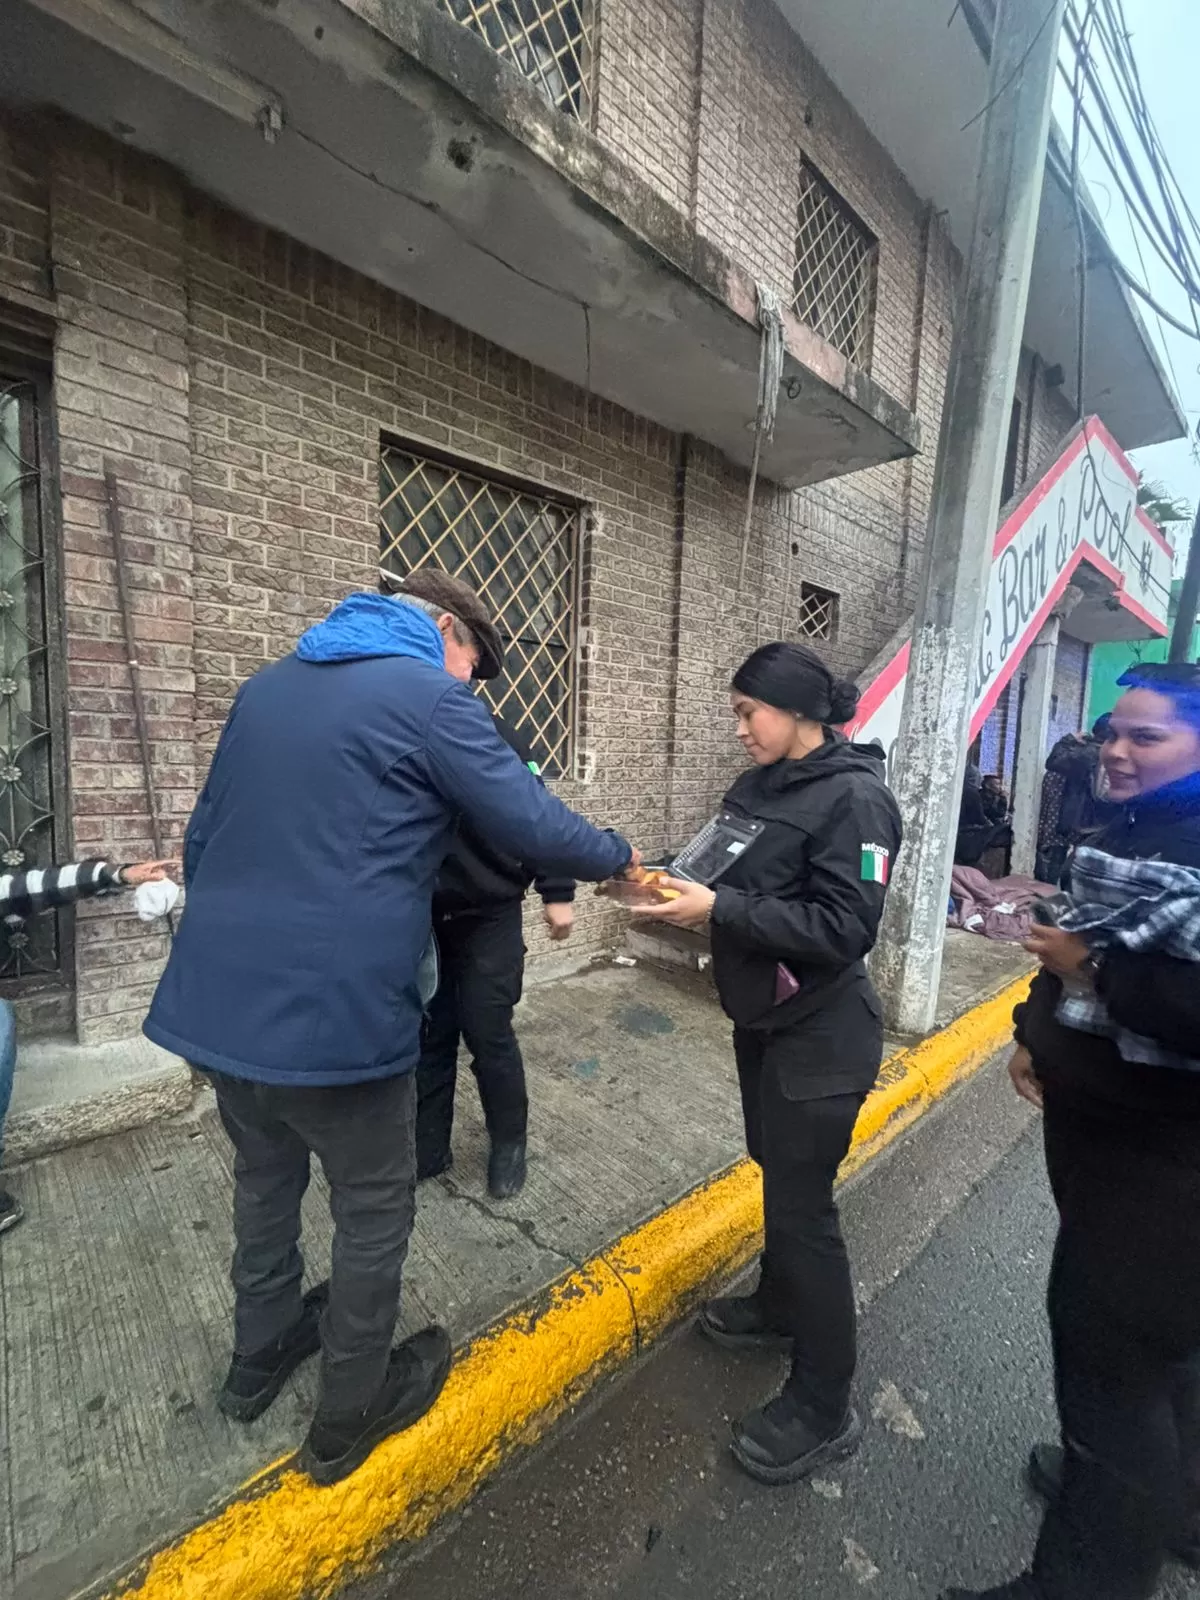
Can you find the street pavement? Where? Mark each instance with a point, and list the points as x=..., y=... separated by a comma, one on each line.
x=639, y=1499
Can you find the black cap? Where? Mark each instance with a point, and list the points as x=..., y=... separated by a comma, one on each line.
x=460, y=600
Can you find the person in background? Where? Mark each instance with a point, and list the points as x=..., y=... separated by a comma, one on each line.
x=1075, y=759
x=294, y=980
x=792, y=922
x=25, y=894
x=995, y=800
x=1122, y=1137
x=477, y=920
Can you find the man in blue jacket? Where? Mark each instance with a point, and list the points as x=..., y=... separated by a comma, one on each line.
x=310, y=862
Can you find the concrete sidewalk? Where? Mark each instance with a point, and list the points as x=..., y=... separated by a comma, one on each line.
x=115, y=1304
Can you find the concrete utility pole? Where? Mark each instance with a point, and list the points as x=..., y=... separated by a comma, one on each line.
x=1180, y=647
x=1031, y=746
x=940, y=691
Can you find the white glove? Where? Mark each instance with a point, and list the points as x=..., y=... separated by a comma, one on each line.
x=154, y=900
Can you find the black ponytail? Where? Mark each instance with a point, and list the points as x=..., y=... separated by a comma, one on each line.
x=794, y=678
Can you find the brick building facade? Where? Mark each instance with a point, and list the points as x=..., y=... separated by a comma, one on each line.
x=241, y=386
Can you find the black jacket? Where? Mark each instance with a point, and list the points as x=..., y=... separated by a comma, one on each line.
x=808, y=892
x=477, y=877
x=1154, y=995
x=1080, y=811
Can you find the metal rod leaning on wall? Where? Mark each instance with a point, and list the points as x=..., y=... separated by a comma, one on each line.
x=135, y=670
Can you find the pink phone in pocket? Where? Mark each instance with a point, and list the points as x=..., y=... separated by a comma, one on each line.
x=785, y=984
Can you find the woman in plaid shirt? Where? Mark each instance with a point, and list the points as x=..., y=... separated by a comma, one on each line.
x=24, y=894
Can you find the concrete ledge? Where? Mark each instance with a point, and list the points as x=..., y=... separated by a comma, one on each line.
x=282, y=1538
x=66, y=1093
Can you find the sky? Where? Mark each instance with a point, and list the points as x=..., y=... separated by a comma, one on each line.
x=1166, y=43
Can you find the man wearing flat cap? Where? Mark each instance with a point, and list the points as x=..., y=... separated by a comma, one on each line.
x=296, y=979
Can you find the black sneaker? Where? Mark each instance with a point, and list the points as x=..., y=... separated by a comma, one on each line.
x=777, y=1444
x=418, y=1369
x=432, y=1166
x=11, y=1211
x=506, y=1169
x=255, y=1380
x=737, y=1323
x=1044, y=1473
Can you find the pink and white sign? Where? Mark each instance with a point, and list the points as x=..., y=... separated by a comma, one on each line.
x=1084, y=509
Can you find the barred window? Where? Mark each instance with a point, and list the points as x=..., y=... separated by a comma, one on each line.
x=818, y=612
x=836, y=257
x=518, y=548
x=549, y=41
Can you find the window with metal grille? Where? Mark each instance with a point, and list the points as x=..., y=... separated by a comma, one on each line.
x=549, y=41
x=818, y=612
x=834, y=281
x=518, y=548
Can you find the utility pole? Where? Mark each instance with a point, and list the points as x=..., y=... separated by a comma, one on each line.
x=1180, y=648
x=940, y=691
x=1031, y=746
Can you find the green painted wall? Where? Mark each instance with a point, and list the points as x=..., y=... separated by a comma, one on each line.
x=1109, y=661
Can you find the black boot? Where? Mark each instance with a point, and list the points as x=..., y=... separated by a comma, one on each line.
x=1044, y=1474
x=779, y=1443
x=506, y=1169
x=337, y=1445
x=738, y=1322
x=1021, y=1588
x=255, y=1380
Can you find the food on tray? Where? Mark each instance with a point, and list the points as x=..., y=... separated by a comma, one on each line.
x=645, y=886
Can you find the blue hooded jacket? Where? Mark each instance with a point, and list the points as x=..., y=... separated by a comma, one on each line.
x=311, y=857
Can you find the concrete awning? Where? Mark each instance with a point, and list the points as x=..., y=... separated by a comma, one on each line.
x=925, y=110
x=407, y=151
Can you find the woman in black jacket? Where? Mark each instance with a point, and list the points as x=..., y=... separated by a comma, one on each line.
x=1123, y=1152
x=791, y=922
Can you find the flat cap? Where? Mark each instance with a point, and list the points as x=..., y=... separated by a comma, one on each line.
x=461, y=601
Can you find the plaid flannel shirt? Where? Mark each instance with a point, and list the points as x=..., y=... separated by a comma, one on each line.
x=1136, y=905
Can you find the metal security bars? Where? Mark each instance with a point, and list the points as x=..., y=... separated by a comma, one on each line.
x=834, y=280
x=550, y=41
x=27, y=949
x=519, y=550
x=818, y=612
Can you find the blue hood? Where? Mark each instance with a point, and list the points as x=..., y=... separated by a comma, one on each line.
x=367, y=625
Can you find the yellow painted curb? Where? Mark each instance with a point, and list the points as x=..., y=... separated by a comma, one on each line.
x=283, y=1538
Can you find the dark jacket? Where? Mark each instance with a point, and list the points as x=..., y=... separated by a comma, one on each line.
x=1080, y=812
x=1157, y=996
x=312, y=854
x=476, y=876
x=808, y=894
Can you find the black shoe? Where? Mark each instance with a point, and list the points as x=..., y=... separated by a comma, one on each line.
x=11, y=1211
x=433, y=1166
x=418, y=1368
x=737, y=1323
x=777, y=1443
x=255, y=1380
x=1044, y=1472
x=1021, y=1588
x=506, y=1169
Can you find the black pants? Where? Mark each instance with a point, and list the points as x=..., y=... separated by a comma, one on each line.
x=482, y=966
x=1124, y=1304
x=363, y=1137
x=805, y=1285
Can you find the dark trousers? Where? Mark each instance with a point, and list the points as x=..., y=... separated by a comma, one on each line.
x=805, y=1285
x=482, y=968
x=1124, y=1304
x=363, y=1137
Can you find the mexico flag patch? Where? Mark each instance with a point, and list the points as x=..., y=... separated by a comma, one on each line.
x=874, y=866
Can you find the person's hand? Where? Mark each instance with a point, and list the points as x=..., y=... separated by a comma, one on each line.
x=634, y=862
x=149, y=872
x=1060, y=952
x=1024, y=1079
x=691, y=909
x=559, y=916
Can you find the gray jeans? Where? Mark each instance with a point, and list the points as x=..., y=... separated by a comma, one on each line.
x=363, y=1136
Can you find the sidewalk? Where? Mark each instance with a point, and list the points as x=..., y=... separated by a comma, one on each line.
x=115, y=1303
